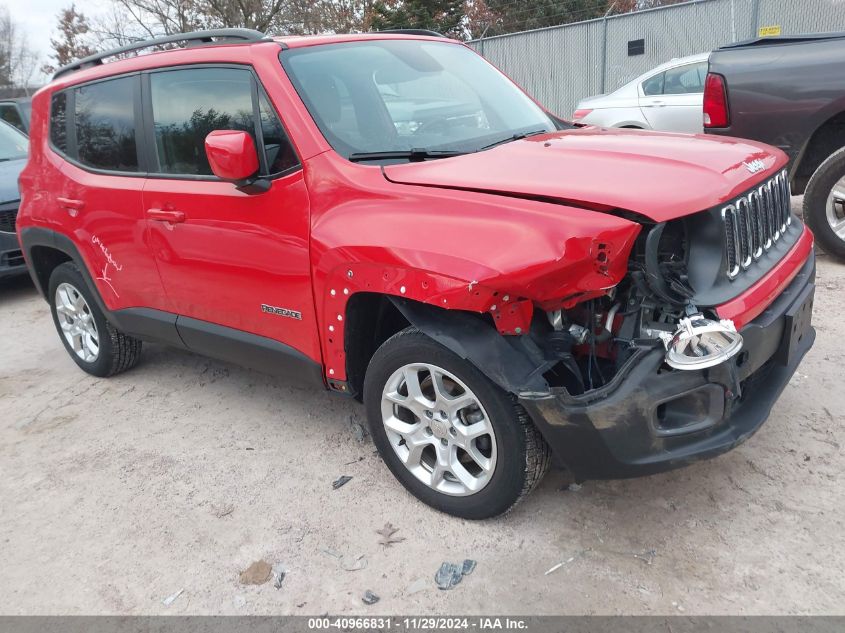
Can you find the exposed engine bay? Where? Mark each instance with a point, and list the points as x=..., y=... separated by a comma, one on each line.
x=653, y=306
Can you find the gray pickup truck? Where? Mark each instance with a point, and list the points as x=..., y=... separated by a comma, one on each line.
x=789, y=92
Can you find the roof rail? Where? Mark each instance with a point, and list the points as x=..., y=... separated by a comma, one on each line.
x=194, y=38
x=413, y=32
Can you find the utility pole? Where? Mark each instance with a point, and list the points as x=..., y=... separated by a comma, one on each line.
x=755, y=18
x=604, y=46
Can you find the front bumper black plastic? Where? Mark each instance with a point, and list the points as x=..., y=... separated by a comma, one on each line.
x=650, y=418
x=11, y=256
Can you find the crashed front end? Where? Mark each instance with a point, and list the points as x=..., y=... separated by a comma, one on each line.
x=680, y=360
x=684, y=359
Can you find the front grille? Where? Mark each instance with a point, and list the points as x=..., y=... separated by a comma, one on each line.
x=755, y=222
x=7, y=218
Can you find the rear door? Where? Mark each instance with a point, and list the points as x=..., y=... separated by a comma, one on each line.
x=96, y=127
x=227, y=258
x=671, y=101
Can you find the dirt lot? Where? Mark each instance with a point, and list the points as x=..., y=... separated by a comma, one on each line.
x=115, y=494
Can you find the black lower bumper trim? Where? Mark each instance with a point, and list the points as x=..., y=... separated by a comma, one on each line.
x=11, y=256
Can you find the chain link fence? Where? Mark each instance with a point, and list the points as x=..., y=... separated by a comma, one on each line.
x=561, y=65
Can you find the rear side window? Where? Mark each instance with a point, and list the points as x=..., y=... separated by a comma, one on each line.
x=58, y=121
x=188, y=104
x=688, y=79
x=653, y=85
x=104, y=118
x=685, y=79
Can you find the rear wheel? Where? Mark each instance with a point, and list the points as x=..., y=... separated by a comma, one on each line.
x=452, y=438
x=824, y=204
x=92, y=342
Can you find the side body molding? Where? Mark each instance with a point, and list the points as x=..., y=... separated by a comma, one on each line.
x=216, y=341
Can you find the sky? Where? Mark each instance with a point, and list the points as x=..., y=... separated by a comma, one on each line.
x=37, y=19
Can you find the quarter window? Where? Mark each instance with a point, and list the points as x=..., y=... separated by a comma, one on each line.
x=189, y=104
x=58, y=121
x=277, y=149
x=104, y=117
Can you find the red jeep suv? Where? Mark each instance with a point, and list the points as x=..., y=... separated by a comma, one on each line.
x=387, y=216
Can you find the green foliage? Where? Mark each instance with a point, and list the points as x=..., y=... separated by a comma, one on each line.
x=443, y=16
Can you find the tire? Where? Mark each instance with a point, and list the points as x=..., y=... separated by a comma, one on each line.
x=516, y=454
x=116, y=352
x=817, y=208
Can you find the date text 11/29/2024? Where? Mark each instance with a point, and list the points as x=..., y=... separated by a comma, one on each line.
x=423, y=623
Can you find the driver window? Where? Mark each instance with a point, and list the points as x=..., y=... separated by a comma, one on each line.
x=188, y=104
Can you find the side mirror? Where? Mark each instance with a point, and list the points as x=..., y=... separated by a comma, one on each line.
x=232, y=156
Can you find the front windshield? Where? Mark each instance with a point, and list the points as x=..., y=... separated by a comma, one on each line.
x=401, y=95
x=13, y=144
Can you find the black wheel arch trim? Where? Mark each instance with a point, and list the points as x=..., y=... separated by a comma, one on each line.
x=209, y=339
x=506, y=360
x=33, y=236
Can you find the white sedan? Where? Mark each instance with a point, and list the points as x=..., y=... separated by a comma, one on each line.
x=667, y=98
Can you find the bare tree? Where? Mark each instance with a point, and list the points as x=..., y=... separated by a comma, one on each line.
x=262, y=15
x=333, y=16
x=18, y=62
x=129, y=20
x=115, y=27
x=73, y=41
x=153, y=18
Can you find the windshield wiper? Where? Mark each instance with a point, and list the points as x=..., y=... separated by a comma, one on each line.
x=513, y=137
x=417, y=154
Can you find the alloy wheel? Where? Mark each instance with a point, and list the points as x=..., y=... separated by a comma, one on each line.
x=836, y=209
x=77, y=322
x=439, y=429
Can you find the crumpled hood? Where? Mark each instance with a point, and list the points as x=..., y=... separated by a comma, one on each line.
x=9, y=172
x=658, y=175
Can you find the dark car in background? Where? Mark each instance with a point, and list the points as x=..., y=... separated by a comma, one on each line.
x=789, y=92
x=14, y=147
x=16, y=112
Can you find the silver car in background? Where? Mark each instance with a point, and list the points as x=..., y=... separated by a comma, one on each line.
x=667, y=98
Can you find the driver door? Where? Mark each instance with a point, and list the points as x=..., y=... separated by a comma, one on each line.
x=222, y=254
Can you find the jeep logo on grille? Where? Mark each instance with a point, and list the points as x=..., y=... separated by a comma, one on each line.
x=291, y=314
x=755, y=165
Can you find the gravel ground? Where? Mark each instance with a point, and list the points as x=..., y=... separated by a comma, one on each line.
x=115, y=494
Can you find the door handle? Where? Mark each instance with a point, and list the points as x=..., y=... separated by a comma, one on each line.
x=70, y=203
x=166, y=215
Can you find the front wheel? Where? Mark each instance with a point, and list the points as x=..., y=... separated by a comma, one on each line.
x=824, y=204
x=452, y=438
